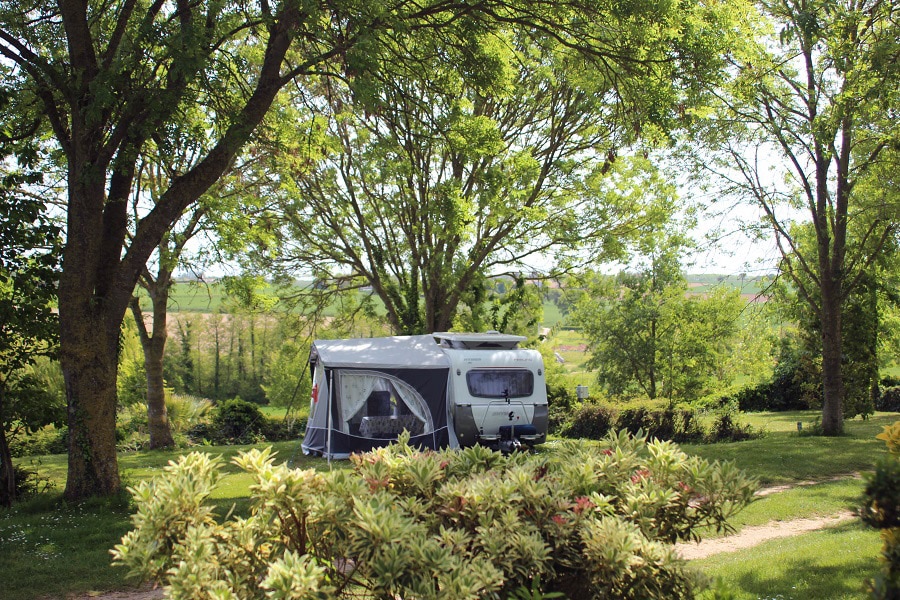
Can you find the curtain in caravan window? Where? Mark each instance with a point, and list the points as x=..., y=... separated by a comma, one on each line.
x=355, y=389
x=416, y=404
x=356, y=386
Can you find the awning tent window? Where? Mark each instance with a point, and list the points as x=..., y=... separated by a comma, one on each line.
x=377, y=405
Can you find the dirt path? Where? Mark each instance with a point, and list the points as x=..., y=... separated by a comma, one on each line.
x=145, y=592
x=753, y=536
x=767, y=491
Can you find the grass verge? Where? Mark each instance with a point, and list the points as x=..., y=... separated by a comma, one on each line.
x=831, y=564
x=783, y=456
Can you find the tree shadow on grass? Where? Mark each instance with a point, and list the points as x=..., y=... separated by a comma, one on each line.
x=803, y=577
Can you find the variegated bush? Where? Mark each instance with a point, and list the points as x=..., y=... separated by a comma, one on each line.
x=579, y=520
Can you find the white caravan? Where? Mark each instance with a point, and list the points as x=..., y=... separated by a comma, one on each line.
x=446, y=389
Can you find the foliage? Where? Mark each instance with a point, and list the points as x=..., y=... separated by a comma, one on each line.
x=29, y=483
x=595, y=522
x=185, y=414
x=446, y=177
x=238, y=421
x=791, y=387
x=863, y=336
x=46, y=440
x=29, y=256
x=646, y=336
x=511, y=305
x=257, y=357
x=131, y=383
x=656, y=420
x=590, y=420
x=727, y=428
x=889, y=399
x=286, y=383
x=881, y=509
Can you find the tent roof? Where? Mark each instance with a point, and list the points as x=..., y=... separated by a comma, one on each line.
x=397, y=352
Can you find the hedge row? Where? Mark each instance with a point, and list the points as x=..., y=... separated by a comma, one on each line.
x=594, y=420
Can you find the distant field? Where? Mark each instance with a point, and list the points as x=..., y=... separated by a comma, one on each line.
x=210, y=297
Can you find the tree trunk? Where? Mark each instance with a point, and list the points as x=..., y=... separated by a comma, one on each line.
x=154, y=346
x=89, y=368
x=157, y=414
x=7, y=473
x=832, y=376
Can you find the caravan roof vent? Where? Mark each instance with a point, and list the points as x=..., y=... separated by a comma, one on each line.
x=491, y=340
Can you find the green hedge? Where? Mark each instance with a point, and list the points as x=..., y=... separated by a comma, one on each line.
x=682, y=424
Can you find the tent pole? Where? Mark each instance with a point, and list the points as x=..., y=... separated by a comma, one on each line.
x=329, y=420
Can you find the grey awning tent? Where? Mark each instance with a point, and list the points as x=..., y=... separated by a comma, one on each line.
x=367, y=391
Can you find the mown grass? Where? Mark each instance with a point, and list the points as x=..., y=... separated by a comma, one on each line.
x=50, y=548
x=830, y=564
x=784, y=456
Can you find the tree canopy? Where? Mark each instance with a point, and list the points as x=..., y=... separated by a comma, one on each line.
x=647, y=337
x=452, y=174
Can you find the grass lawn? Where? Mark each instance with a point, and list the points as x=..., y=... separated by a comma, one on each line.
x=830, y=564
x=783, y=456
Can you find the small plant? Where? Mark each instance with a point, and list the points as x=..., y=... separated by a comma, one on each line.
x=889, y=399
x=726, y=427
x=582, y=520
x=881, y=509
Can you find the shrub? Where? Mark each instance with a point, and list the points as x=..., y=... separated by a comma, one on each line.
x=29, y=482
x=792, y=387
x=586, y=521
x=132, y=427
x=278, y=430
x=889, y=399
x=49, y=439
x=238, y=421
x=881, y=509
x=560, y=400
x=889, y=381
x=185, y=411
x=726, y=427
x=590, y=420
x=595, y=420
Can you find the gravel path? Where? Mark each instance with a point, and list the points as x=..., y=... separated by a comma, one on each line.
x=753, y=536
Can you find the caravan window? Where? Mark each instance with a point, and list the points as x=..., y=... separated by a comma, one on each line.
x=500, y=383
